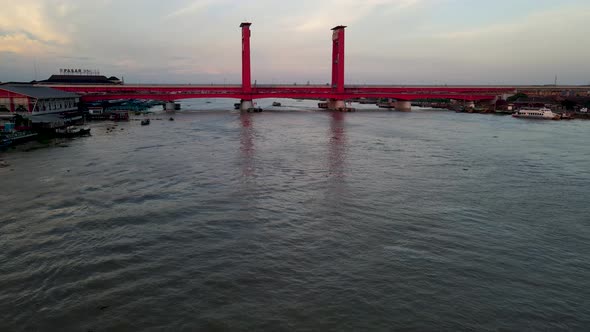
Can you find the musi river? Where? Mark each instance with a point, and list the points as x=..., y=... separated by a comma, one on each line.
x=300, y=220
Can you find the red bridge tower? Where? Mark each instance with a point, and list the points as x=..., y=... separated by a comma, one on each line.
x=246, y=102
x=337, y=67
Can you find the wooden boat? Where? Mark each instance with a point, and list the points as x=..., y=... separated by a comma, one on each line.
x=72, y=131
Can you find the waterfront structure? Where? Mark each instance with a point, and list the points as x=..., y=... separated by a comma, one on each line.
x=536, y=102
x=36, y=100
x=80, y=79
x=43, y=106
x=556, y=91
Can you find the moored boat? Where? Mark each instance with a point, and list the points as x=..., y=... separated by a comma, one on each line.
x=540, y=113
x=72, y=131
x=5, y=142
x=145, y=122
x=386, y=105
x=566, y=116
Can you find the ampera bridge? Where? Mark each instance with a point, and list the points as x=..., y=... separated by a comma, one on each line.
x=336, y=94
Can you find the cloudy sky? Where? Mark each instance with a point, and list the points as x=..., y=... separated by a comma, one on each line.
x=388, y=41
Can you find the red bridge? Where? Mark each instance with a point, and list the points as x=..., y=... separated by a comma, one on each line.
x=336, y=94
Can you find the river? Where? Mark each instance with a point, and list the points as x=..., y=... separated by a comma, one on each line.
x=300, y=220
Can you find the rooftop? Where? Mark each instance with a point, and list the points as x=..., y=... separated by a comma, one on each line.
x=80, y=79
x=39, y=92
x=535, y=100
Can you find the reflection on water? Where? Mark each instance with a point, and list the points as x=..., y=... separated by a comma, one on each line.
x=247, y=144
x=337, y=144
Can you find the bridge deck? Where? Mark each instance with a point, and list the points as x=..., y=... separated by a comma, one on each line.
x=176, y=92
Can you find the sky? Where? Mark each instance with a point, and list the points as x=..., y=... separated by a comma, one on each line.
x=387, y=41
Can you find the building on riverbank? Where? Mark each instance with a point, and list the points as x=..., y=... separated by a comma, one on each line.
x=36, y=100
x=81, y=79
x=44, y=106
x=536, y=102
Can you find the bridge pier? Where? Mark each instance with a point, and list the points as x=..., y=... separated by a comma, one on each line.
x=336, y=105
x=245, y=105
x=339, y=105
x=403, y=105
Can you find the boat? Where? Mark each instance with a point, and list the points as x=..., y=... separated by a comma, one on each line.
x=536, y=113
x=584, y=110
x=237, y=106
x=8, y=139
x=366, y=101
x=276, y=103
x=72, y=131
x=386, y=105
x=145, y=122
x=5, y=142
x=254, y=110
x=565, y=116
x=171, y=119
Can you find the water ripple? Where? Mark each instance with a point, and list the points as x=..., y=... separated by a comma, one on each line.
x=300, y=221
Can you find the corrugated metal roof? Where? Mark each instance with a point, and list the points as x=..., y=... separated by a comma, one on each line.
x=46, y=118
x=39, y=92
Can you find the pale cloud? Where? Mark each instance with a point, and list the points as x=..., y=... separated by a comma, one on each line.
x=25, y=27
x=538, y=38
x=533, y=48
x=335, y=12
x=17, y=43
x=191, y=8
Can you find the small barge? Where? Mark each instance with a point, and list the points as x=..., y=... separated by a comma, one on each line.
x=17, y=137
x=72, y=131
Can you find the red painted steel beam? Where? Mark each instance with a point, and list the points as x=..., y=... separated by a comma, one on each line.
x=430, y=89
x=284, y=94
x=146, y=89
x=236, y=89
x=162, y=97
